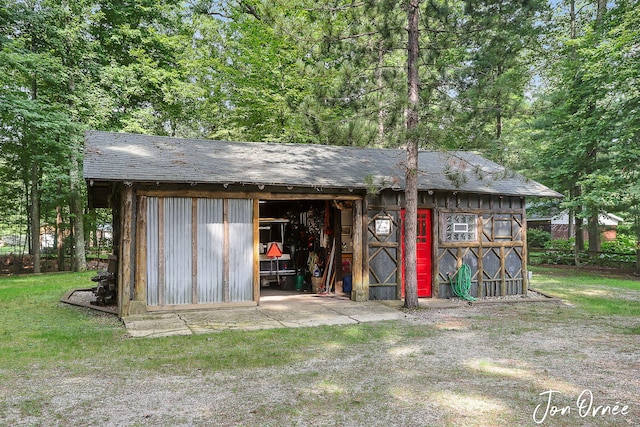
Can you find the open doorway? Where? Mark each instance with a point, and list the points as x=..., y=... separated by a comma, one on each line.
x=305, y=247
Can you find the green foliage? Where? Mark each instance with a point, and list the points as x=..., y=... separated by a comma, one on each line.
x=626, y=229
x=311, y=72
x=537, y=238
x=561, y=244
x=621, y=244
x=497, y=69
x=619, y=253
x=584, y=132
x=507, y=78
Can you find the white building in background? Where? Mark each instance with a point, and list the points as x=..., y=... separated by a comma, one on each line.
x=558, y=225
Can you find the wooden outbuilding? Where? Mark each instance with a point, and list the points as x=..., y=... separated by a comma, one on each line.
x=201, y=223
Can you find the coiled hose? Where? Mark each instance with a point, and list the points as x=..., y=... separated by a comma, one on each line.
x=461, y=283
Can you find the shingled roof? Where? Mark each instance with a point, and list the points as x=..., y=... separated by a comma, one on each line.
x=120, y=157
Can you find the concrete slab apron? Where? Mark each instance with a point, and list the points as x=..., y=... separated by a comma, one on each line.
x=274, y=314
x=156, y=325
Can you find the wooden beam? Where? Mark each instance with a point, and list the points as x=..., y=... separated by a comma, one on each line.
x=480, y=274
x=503, y=273
x=360, y=254
x=337, y=233
x=256, y=251
x=266, y=195
x=140, y=286
x=221, y=305
x=480, y=226
x=525, y=251
x=384, y=244
x=478, y=211
x=475, y=244
x=392, y=208
x=435, y=264
x=124, y=258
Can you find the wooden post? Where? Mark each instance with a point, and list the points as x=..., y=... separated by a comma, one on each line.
x=480, y=273
x=503, y=273
x=125, y=259
x=337, y=233
x=525, y=251
x=256, y=251
x=480, y=255
x=360, y=289
x=140, y=286
x=435, y=260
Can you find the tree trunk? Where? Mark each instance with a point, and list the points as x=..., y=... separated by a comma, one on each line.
x=411, y=189
x=592, y=157
x=572, y=15
x=579, y=246
x=60, y=238
x=570, y=232
x=592, y=221
x=602, y=9
x=570, y=223
x=594, y=236
x=35, y=218
x=79, y=258
x=381, y=100
x=577, y=191
x=637, y=226
x=94, y=241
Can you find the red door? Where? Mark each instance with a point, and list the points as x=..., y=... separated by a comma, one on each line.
x=423, y=255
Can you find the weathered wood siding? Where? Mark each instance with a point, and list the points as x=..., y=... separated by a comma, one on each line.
x=384, y=250
x=495, y=250
x=496, y=256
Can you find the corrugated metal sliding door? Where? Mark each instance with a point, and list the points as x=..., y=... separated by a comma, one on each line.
x=240, y=250
x=199, y=251
x=153, y=264
x=210, y=250
x=177, y=251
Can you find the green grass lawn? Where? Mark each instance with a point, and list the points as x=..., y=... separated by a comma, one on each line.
x=36, y=329
x=500, y=379
x=599, y=293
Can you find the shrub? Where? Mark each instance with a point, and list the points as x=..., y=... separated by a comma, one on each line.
x=537, y=238
x=561, y=244
x=622, y=244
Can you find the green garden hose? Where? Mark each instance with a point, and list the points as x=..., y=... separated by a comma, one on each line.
x=461, y=283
